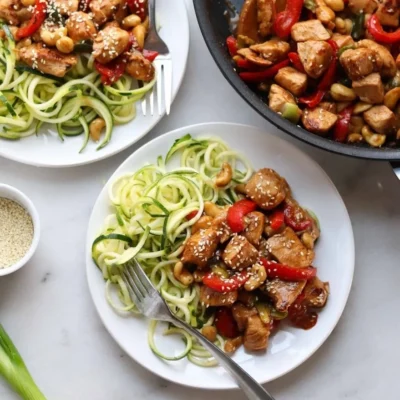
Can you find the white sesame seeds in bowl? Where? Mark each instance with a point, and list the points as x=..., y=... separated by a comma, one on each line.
x=19, y=230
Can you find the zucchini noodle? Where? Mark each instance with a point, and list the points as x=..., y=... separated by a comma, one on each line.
x=29, y=98
x=149, y=222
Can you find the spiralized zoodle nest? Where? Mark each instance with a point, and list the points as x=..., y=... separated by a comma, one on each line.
x=221, y=256
x=81, y=66
x=331, y=66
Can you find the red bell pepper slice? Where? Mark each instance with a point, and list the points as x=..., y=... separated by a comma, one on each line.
x=284, y=272
x=150, y=55
x=191, y=215
x=276, y=219
x=138, y=7
x=300, y=316
x=375, y=29
x=111, y=71
x=225, y=323
x=288, y=17
x=293, y=220
x=329, y=77
x=222, y=285
x=236, y=213
x=245, y=64
x=341, y=129
x=313, y=100
x=34, y=24
x=231, y=43
x=295, y=60
x=260, y=76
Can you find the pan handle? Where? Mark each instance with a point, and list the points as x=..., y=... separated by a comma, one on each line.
x=396, y=168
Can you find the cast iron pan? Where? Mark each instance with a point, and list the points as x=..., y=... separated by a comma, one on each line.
x=214, y=17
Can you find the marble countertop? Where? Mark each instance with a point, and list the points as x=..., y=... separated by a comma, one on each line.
x=47, y=309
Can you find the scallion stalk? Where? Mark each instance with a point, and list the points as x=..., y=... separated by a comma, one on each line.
x=14, y=370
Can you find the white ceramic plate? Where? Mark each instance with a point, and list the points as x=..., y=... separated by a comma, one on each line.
x=334, y=259
x=46, y=150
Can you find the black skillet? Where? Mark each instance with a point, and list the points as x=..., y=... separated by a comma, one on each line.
x=214, y=19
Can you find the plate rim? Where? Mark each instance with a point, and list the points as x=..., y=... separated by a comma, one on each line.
x=350, y=255
x=14, y=157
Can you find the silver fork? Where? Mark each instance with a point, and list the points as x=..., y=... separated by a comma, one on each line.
x=150, y=303
x=162, y=63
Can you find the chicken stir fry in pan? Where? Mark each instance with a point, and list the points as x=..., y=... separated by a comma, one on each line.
x=331, y=66
x=253, y=261
x=50, y=34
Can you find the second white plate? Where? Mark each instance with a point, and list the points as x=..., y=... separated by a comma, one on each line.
x=46, y=149
x=288, y=348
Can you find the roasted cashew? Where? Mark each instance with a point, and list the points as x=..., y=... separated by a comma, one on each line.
x=391, y=98
x=307, y=240
x=360, y=107
x=182, y=274
x=203, y=223
x=342, y=93
x=210, y=332
x=224, y=176
x=232, y=345
x=212, y=210
x=355, y=138
x=257, y=277
x=372, y=138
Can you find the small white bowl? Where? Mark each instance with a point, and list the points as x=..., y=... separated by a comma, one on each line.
x=14, y=194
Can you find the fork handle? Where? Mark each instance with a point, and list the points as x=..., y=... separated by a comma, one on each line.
x=252, y=389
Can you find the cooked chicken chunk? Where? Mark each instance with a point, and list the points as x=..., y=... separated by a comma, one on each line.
x=388, y=67
x=328, y=106
x=315, y=57
x=318, y=120
x=278, y=97
x=139, y=67
x=380, y=119
x=8, y=11
x=360, y=62
x=365, y=6
x=80, y=26
x=254, y=57
x=266, y=188
x=109, y=44
x=288, y=249
x=309, y=30
x=316, y=293
x=255, y=222
x=256, y=334
x=265, y=16
x=66, y=7
x=47, y=60
x=388, y=13
x=273, y=50
x=104, y=10
x=248, y=24
x=212, y=298
x=342, y=40
x=370, y=89
x=241, y=314
x=239, y=253
x=283, y=293
x=200, y=247
x=292, y=80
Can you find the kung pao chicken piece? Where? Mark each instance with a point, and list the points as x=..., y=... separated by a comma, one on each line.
x=301, y=55
x=51, y=33
x=253, y=262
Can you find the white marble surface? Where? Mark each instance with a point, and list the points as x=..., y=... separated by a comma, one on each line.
x=47, y=310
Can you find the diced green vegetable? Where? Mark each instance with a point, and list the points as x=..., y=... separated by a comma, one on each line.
x=358, y=26
x=264, y=311
x=291, y=112
x=310, y=5
x=220, y=271
x=14, y=370
x=278, y=315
